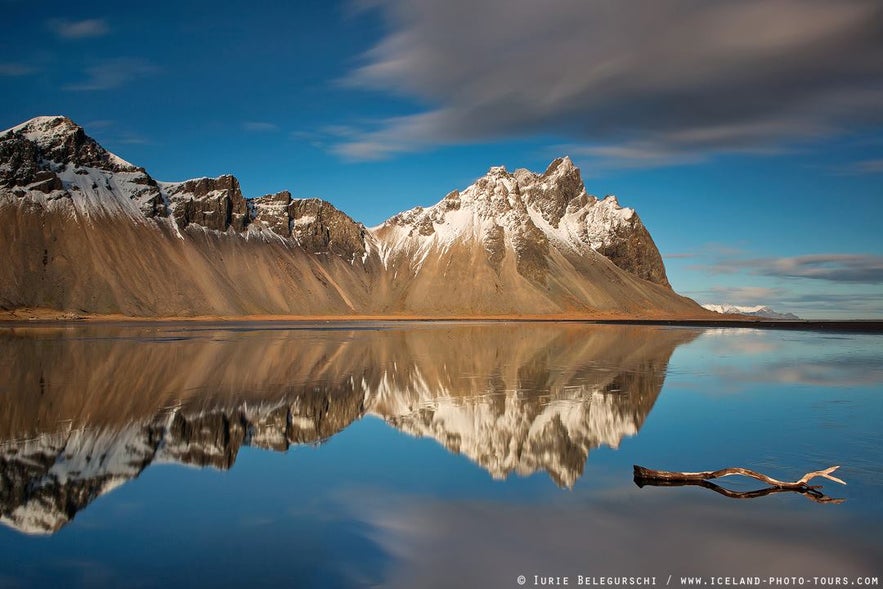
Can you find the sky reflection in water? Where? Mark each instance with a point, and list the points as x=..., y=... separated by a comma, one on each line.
x=427, y=455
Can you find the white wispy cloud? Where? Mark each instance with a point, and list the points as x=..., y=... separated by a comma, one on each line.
x=871, y=166
x=260, y=126
x=12, y=69
x=78, y=29
x=111, y=132
x=113, y=73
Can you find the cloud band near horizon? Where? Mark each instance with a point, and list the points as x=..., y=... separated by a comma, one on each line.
x=851, y=268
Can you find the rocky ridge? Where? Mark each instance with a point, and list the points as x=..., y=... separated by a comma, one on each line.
x=531, y=213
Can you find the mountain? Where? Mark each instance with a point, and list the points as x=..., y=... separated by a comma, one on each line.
x=755, y=311
x=89, y=408
x=511, y=242
x=85, y=231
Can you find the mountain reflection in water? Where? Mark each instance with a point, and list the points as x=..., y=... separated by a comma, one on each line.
x=87, y=408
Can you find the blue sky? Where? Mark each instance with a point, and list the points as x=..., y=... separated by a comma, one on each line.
x=747, y=134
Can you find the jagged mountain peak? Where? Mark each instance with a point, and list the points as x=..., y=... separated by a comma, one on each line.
x=527, y=213
x=45, y=126
x=50, y=161
x=499, y=192
x=60, y=140
x=498, y=171
x=561, y=169
x=560, y=166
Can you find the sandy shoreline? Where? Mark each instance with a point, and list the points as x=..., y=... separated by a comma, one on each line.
x=50, y=316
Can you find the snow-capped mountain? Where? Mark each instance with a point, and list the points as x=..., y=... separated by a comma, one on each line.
x=52, y=162
x=90, y=232
x=526, y=213
x=752, y=311
x=521, y=240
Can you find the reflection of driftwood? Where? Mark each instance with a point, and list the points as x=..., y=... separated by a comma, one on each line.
x=662, y=478
x=809, y=492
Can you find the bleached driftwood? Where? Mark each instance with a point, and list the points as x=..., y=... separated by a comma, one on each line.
x=663, y=478
x=650, y=474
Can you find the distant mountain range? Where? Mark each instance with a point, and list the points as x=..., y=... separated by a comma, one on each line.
x=84, y=231
x=755, y=311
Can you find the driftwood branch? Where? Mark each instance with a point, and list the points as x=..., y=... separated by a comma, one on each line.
x=663, y=478
x=650, y=474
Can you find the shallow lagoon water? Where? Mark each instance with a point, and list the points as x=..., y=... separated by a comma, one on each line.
x=429, y=454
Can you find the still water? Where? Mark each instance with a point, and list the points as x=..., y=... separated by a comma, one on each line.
x=430, y=454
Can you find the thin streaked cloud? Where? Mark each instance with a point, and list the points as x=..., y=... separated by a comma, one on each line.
x=11, y=69
x=260, y=127
x=78, y=29
x=870, y=166
x=113, y=73
x=860, y=268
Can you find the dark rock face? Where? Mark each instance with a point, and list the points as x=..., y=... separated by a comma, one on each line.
x=451, y=202
x=212, y=439
x=20, y=159
x=324, y=411
x=495, y=246
x=272, y=211
x=425, y=226
x=556, y=188
x=81, y=150
x=46, y=181
x=633, y=250
x=145, y=190
x=214, y=203
x=321, y=228
x=154, y=206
